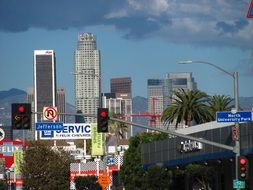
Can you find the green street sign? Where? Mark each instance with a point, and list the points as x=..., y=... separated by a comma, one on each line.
x=237, y=184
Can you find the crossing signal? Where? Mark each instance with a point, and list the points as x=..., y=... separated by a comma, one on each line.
x=21, y=116
x=243, y=167
x=102, y=120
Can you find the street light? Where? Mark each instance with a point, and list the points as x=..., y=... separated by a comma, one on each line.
x=234, y=75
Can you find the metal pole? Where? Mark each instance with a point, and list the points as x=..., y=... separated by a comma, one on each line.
x=234, y=75
x=237, y=126
x=177, y=134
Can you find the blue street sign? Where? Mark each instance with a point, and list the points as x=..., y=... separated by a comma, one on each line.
x=49, y=126
x=233, y=117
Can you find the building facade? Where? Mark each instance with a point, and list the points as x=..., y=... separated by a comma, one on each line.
x=122, y=87
x=160, y=93
x=61, y=104
x=155, y=92
x=87, y=76
x=177, y=152
x=44, y=80
x=119, y=100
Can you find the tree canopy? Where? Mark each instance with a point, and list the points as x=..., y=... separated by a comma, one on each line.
x=187, y=106
x=45, y=168
x=132, y=175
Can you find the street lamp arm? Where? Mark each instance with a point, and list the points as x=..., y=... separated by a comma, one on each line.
x=207, y=63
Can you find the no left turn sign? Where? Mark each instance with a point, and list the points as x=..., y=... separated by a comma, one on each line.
x=50, y=113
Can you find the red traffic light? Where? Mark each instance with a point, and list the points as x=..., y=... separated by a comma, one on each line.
x=21, y=109
x=103, y=114
x=102, y=120
x=243, y=167
x=243, y=161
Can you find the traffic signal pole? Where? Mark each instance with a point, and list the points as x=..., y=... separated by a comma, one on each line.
x=177, y=134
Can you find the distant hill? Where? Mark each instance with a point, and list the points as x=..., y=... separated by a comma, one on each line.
x=19, y=96
x=11, y=93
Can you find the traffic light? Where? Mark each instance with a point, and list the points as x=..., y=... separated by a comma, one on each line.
x=21, y=116
x=102, y=120
x=243, y=167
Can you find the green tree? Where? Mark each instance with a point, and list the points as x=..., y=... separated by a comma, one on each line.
x=199, y=175
x=132, y=174
x=87, y=183
x=187, y=106
x=157, y=178
x=44, y=168
x=219, y=103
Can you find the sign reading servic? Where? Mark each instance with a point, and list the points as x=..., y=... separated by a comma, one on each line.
x=70, y=131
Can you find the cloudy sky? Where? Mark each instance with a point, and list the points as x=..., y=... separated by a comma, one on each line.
x=141, y=39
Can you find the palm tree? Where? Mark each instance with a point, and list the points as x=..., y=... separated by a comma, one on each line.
x=119, y=129
x=187, y=106
x=219, y=103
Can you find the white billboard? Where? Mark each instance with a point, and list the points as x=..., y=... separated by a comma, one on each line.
x=70, y=131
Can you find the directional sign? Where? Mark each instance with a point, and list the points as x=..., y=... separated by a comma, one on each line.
x=250, y=11
x=50, y=126
x=233, y=117
x=237, y=184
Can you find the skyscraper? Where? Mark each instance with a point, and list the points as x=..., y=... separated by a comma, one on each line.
x=87, y=76
x=122, y=87
x=155, y=100
x=160, y=92
x=122, y=103
x=61, y=104
x=44, y=80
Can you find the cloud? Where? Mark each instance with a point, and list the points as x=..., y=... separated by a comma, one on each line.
x=245, y=66
x=209, y=22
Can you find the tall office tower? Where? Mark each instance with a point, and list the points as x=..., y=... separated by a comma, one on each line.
x=44, y=80
x=160, y=92
x=61, y=104
x=173, y=82
x=155, y=100
x=122, y=87
x=87, y=76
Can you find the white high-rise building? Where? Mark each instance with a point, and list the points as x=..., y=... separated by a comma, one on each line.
x=87, y=76
x=160, y=92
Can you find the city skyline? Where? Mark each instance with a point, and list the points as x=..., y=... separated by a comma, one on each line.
x=136, y=39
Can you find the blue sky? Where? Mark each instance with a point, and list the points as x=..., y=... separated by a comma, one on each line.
x=141, y=39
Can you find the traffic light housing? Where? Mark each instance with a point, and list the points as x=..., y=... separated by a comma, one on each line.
x=21, y=116
x=102, y=120
x=243, y=167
